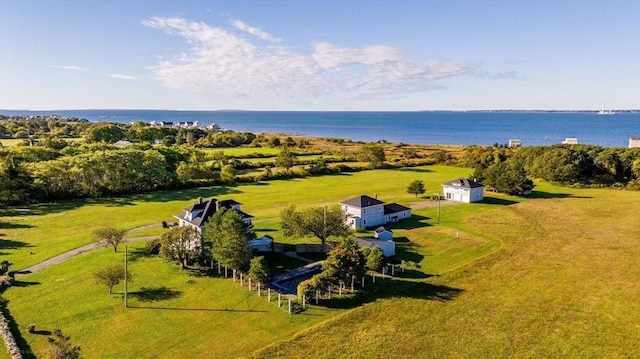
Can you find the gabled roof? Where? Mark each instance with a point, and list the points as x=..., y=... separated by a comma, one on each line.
x=383, y=229
x=463, y=183
x=362, y=201
x=206, y=209
x=394, y=208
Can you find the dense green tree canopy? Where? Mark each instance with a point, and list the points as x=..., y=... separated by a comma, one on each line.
x=320, y=222
x=229, y=236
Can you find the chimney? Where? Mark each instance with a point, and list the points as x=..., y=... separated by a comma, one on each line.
x=200, y=199
x=376, y=196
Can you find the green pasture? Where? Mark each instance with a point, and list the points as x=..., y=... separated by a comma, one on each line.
x=34, y=233
x=565, y=283
x=244, y=151
x=264, y=160
x=171, y=314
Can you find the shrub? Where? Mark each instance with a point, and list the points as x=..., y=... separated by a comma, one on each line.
x=152, y=247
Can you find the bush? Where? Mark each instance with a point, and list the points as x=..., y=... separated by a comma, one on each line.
x=152, y=247
x=31, y=328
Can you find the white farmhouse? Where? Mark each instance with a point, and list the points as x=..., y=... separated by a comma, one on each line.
x=463, y=190
x=198, y=215
x=364, y=211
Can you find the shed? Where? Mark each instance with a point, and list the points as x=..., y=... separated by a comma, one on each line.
x=388, y=247
x=384, y=233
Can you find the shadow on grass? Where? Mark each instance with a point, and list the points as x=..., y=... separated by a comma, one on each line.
x=22, y=284
x=138, y=253
x=498, y=201
x=413, y=222
x=201, y=309
x=11, y=244
x=155, y=294
x=546, y=195
x=407, y=251
x=41, y=332
x=6, y=225
x=413, y=169
x=412, y=274
x=27, y=353
x=393, y=288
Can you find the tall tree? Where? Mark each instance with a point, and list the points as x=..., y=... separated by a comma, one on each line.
x=181, y=245
x=286, y=159
x=374, y=155
x=375, y=258
x=110, y=236
x=229, y=236
x=259, y=270
x=345, y=261
x=111, y=276
x=321, y=222
x=416, y=187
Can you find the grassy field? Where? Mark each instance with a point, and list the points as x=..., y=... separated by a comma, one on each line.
x=565, y=284
x=552, y=275
x=172, y=313
x=34, y=233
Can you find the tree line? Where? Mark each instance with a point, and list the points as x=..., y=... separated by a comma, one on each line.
x=510, y=170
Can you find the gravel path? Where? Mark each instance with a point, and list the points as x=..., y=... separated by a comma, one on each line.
x=86, y=248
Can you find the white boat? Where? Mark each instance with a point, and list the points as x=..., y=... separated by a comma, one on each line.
x=606, y=112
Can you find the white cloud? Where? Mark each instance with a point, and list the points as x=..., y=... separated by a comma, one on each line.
x=69, y=67
x=223, y=63
x=507, y=75
x=254, y=31
x=123, y=76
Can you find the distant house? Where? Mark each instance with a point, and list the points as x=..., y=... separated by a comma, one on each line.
x=122, y=144
x=515, y=142
x=634, y=142
x=463, y=190
x=570, y=141
x=198, y=215
x=388, y=247
x=383, y=233
x=364, y=211
x=161, y=123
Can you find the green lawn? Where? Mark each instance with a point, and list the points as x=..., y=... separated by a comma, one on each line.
x=172, y=313
x=50, y=229
x=565, y=283
x=552, y=275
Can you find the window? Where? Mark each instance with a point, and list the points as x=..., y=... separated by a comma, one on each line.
x=364, y=210
x=448, y=195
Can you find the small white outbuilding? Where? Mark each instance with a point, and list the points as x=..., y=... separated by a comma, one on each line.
x=388, y=247
x=463, y=190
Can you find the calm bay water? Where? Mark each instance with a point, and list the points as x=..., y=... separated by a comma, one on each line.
x=463, y=128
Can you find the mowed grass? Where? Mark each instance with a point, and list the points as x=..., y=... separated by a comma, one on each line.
x=172, y=313
x=244, y=151
x=565, y=283
x=32, y=234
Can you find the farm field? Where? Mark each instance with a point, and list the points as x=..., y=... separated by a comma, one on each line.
x=541, y=276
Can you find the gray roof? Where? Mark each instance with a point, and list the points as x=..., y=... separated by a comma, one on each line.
x=362, y=201
x=208, y=209
x=382, y=229
x=394, y=208
x=464, y=183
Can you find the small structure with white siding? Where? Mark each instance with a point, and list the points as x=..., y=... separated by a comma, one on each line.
x=463, y=190
x=634, y=142
x=515, y=142
x=383, y=233
x=570, y=141
x=388, y=247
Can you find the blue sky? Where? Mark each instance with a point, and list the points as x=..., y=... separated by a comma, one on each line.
x=319, y=55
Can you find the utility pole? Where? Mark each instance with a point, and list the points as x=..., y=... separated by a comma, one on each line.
x=126, y=274
x=438, y=194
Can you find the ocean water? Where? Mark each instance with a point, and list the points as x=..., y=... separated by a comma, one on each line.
x=438, y=127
